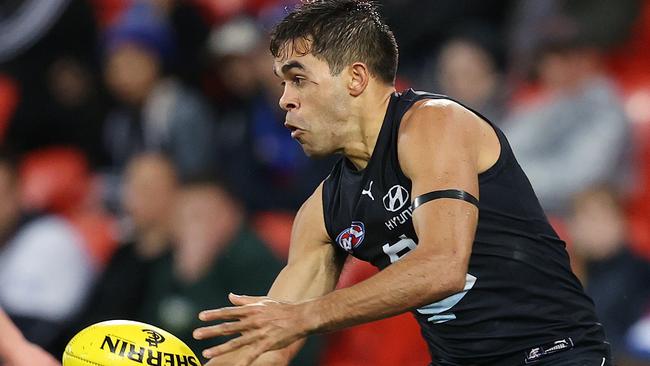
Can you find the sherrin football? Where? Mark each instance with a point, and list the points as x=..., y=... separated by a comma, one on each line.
x=127, y=343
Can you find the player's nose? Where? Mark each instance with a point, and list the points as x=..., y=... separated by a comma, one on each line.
x=288, y=101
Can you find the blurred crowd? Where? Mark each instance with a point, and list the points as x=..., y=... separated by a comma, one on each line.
x=145, y=171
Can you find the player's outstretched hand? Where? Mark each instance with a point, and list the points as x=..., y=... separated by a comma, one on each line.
x=264, y=324
x=29, y=354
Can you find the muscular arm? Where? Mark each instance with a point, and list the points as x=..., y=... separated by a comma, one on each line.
x=312, y=270
x=313, y=267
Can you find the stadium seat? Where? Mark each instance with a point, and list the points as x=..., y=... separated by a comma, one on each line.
x=8, y=101
x=57, y=180
x=54, y=179
x=274, y=227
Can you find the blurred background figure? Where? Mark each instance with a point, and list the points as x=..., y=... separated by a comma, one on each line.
x=577, y=134
x=271, y=171
x=469, y=67
x=45, y=269
x=154, y=112
x=47, y=52
x=615, y=278
x=148, y=198
x=215, y=253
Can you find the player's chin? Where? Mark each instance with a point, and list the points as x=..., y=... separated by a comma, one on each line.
x=314, y=153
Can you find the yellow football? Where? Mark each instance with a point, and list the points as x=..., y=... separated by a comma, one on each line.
x=127, y=343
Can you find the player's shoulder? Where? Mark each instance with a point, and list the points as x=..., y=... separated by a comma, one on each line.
x=439, y=110
x=311, y=211
x=436, y=117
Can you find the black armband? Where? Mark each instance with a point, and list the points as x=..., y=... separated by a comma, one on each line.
x=455, y=194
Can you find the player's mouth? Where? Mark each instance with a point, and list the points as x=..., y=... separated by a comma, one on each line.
x=295, y=131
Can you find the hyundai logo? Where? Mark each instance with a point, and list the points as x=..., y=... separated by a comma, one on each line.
x=396, y=198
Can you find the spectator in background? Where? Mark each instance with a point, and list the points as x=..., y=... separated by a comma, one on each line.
x=148, y=198
x=215, y=253
x=45, y=272
x=191, y=29
x=578, y=135
x=60, y=101
x=607, y=22
x=615, y=278
x=271, y=171
x=15, y=350
x=469, y=68
x=417, y=34
x=154, y=112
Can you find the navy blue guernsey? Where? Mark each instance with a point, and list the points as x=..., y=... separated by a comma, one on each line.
x=521, y=301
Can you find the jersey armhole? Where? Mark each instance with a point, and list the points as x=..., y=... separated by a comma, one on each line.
x=504, y=153
x=327, y=208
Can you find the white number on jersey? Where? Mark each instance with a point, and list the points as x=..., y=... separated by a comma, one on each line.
x=397, y=251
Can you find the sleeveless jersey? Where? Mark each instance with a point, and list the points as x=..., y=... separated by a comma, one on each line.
x=520, y=302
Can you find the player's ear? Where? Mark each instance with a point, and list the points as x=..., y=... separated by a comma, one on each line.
x=359, y=78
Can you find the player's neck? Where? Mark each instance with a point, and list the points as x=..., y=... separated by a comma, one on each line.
x=366, y=125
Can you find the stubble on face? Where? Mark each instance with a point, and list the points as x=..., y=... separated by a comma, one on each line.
x=323, y=102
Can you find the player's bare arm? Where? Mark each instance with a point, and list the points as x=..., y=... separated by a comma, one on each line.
x=15, y=350
x=312, y=270
x=451, y=139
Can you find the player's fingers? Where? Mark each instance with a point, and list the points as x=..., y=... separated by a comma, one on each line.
x=231, y=345
x=245, y=300
x=231, y=313
x=222, y=329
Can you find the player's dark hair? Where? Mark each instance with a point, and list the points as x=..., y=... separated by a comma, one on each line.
x=340, y=32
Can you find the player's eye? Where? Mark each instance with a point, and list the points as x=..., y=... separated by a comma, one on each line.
x=297, y=81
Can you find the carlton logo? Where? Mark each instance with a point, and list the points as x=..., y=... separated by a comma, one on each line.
x=396, y=198
x=352, y=237
x=154, y=337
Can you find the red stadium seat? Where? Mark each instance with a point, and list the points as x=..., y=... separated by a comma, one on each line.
x=8, y=101
x=638, y=206
x=57, y=180
x=274, y=228
x=630, y=63
x=99, y=232
x=54, y=180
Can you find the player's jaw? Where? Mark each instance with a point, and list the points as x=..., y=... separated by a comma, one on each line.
x=314, y=142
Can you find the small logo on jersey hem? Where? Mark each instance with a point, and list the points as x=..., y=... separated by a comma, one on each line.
x=536, y=353
x=352, y=237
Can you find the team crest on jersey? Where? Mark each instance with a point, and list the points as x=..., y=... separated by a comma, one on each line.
x=352, y=237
